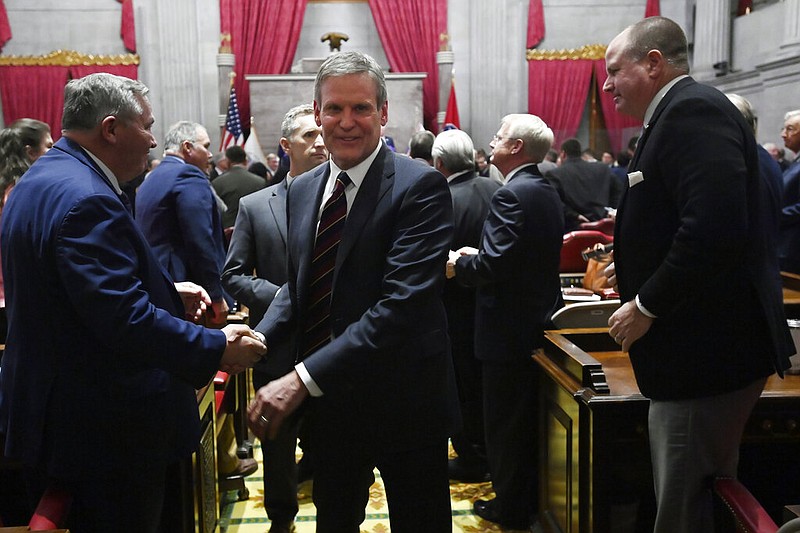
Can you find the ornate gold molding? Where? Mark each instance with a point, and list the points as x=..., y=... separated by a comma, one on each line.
x=589, y=51
x=68, y=58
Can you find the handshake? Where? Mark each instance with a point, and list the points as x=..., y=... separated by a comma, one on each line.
x=243, y=350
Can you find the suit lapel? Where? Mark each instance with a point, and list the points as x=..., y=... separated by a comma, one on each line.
x=376, y=183
x=277, y=205
x=304, y=228
x=654, y=119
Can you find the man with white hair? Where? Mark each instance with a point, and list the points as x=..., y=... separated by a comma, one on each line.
x=790, y=216
x=453, y=156
x=515, y=271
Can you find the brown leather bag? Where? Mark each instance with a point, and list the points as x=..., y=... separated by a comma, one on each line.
x=597, y=260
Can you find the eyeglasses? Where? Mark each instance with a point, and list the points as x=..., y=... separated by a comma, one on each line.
x=496, y=138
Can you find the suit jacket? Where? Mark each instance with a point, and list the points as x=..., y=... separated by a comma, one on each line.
x=790, y=220
x=585, y=188
x=100, y=369
x=516, y=269
x=176, y=209
x=471, y=195
x=232, y=186
x=696, y=240
x=256, y=265
x=388, y=367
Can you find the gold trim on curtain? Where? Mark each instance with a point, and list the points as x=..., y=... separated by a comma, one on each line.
x=68, y=58
x=589, y=51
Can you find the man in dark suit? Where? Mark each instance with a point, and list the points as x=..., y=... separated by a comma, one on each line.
x=377, y=367
x=696, y=268
x=453, y=156
x=97, y=389
x=235, y=183
x=518, y=288
x=790, y=215
x=259, y=243
x=585, y=187
x=180, y=216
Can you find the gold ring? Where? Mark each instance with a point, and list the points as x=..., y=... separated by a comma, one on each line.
x=264, y=419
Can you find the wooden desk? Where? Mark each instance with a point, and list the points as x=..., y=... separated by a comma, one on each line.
x=192, y=498
x=791, y=294
x=594, y=457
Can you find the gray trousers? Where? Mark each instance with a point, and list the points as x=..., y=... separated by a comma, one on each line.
x=692, y=441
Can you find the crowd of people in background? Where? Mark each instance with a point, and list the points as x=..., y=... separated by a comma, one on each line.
x=431, y=297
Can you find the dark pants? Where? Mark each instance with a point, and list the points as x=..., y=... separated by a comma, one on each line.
x=510, y=398
x=127, y=501
x=280, y=467
x=417, y=487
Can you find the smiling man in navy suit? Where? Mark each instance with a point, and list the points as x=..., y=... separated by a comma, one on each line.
x=376, y=362
x=97, y=390
x=697, y=269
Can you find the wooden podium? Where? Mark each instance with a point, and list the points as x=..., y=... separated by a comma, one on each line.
x=595, y=471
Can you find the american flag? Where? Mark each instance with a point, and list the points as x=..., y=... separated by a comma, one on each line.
x=233, y=125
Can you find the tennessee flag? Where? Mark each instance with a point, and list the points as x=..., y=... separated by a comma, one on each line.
x=451, y=115
x=253, y=148
x=233, y=124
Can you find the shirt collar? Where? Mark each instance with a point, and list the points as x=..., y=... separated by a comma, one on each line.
x=514, y=171
x=658, y=97
x=107, y=171
x=356, y=173
x=451, y=177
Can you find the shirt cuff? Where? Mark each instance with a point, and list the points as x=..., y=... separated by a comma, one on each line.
x=308, y=381
x=643, y=309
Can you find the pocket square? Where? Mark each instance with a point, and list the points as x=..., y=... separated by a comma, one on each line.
x=634, y=178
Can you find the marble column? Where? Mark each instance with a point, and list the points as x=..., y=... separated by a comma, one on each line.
x=712, y=37
x=790, y=46
x=445, y=60
x=498, y=75
x=178, y=42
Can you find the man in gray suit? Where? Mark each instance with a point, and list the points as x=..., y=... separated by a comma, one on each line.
x=259, y=243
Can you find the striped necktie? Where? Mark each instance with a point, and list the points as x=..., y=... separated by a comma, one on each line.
x=329, y=233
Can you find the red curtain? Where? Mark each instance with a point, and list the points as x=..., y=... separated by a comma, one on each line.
x=620, y=127
x=5, y=27
x=128, y=28
x=557, y=91
x=652, y=9
x=129, y=71
x=535, y=23
x=264, y=35
x=745, y=6
x=34, y=92
x=409, y=31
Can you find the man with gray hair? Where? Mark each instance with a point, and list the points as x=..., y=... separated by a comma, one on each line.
x=178, y=212
x=259, y=244
x=790, y=216
x=696, y=267
x=368, y=233
x=97, y=388
x=515, y=272
x=453, y=156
